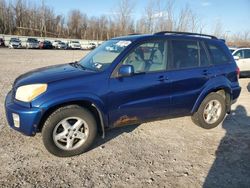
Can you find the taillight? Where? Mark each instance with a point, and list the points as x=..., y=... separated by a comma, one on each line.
x=238, y=72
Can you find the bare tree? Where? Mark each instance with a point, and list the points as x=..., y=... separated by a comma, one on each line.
x=2, y=16
x=149, y=18
x=124, y=13
x=76, y=23
x=218, y=29
x=26, y=17
x=158, y=16
x=188, y=21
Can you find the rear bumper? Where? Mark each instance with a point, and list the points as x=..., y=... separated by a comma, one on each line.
x=20, y=118
x=235, y=93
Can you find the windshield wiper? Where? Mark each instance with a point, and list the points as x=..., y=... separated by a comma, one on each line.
x=77, y=65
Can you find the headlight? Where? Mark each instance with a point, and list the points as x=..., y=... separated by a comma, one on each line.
x=27, y=93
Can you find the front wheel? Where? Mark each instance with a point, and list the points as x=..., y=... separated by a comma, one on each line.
x=69, y=131
x=211, y=111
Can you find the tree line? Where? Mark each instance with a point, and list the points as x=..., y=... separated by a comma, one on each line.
x=24, y=17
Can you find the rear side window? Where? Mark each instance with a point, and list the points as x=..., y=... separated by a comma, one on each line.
x=185, y=54
x=239, y=53
x=218, y=55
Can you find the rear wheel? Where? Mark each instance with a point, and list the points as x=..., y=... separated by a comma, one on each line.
x=69, y=131
x=211, y=111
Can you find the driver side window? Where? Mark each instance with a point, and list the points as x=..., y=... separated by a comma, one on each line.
x=136, y=59
x=239, y=54
x=147, y=57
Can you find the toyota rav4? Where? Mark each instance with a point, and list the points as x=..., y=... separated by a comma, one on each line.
x=143, y=78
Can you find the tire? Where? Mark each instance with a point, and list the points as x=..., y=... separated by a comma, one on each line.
x=69, y=131
x=211, y=111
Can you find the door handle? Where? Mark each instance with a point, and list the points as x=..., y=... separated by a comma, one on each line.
x=206, y=73
x=162, y=78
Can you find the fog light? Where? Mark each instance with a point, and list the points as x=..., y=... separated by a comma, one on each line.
x=16, y=120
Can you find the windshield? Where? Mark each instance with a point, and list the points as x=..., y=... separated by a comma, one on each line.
x=103, y=56
x=32, y=40
x=14, y=40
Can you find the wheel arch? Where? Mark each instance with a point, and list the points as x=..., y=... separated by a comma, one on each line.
x=96, y=111
x=224, y=91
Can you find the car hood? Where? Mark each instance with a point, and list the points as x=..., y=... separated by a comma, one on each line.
x=51, y=74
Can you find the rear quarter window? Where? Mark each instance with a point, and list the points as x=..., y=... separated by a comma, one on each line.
x=217, y=54
x=247, y=53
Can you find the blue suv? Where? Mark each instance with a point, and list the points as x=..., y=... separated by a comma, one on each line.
x=127, y=80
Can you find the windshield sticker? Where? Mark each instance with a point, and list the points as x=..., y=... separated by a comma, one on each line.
x=123, y=43
x=98, y=66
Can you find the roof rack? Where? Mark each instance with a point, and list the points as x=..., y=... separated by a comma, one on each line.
x=185, y=33
x=134, y=34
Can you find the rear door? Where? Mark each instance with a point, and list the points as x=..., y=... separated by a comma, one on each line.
x=189, y=71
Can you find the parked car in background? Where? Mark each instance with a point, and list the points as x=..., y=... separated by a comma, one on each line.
x=92, y=46
x=88, y=46
x=45, y=45
x=61, y=45
x=32, y=43
x=15, y=43
x=150, y=77
x=75, y=45
x=2, y=44
x=242, y=58
x=55, y=43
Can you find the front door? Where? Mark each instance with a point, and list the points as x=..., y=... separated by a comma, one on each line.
x=145, y=94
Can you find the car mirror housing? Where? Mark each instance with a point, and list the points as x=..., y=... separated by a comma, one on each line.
x=236, y=58
x=126, y=70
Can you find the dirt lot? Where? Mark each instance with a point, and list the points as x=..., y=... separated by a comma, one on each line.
x=170, y=153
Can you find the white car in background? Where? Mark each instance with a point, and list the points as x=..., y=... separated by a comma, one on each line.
x=242, y=58
x=61, y=45
x=55, y=43
x=32, y=43
x=88, y=46
x=74, y=45
x=15, y=43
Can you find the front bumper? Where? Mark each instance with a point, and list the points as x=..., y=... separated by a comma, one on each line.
x=15, y=46
x=28, y=118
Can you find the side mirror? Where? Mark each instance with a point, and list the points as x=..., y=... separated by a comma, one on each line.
x=236, y=58
x=126, y=70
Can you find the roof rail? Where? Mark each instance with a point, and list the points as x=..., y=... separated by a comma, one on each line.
x=185, y=33
x=134, y=34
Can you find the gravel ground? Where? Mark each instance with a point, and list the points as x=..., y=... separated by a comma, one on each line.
x=169, y=153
